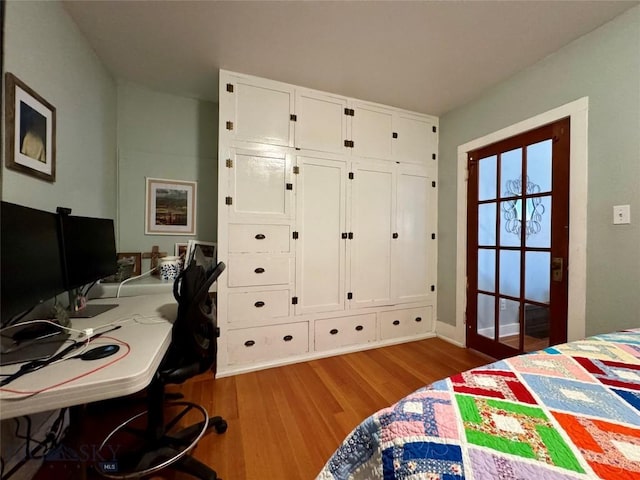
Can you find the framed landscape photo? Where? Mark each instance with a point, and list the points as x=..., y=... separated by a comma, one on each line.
x=180, y=250
x=170, y=207
x=30, y=133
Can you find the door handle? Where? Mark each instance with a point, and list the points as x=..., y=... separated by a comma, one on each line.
x=557, y=269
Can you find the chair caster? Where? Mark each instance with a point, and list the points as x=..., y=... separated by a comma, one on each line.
x=219, y=423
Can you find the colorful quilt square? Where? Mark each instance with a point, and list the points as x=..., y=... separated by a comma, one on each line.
x=612, y=450
x=581, y=398
x=632, y=398
x=615, y=374
x=515, y=429
x=550, y=365
x=595, y=349
x=423, y=460
x=493, y=384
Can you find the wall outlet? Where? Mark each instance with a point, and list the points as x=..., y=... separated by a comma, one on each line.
x=503, y=304
x=621, y=214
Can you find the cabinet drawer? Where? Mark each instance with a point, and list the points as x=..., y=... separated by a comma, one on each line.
x=250, y=270
x=404, y=323
x=259, y=238
x=258, y=307
x=268, y=343
x=340, y=332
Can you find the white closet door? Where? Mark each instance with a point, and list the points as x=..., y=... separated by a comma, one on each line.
x=259, y=110
x=258, y=184
x=321, y=123
x=372, y=217
x=416, y=141
x=412, y=248
x=320, y=248
x=372, y=131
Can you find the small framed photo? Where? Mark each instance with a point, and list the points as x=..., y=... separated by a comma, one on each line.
x=170, y=207
x=30, y=134
x=135, y=258
x=205, y=253
x=180, y=250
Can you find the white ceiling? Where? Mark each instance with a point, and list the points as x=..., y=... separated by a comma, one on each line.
x=427, y=56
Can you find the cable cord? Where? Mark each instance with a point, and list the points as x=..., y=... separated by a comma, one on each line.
x=148, y=272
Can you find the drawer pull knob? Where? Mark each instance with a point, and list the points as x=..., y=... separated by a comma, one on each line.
x=418, y=319
x=259, y=270
x=333, y=331
x=259, y=304
x=260, y=236
x=396, y=322
x=249, y=343
x=359, y=328
x=287, y=338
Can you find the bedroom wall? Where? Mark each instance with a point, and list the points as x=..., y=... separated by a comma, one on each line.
x=605, y=66
x=164, y=136
x=45, y=49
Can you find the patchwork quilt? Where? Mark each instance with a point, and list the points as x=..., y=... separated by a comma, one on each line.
x=571, y=411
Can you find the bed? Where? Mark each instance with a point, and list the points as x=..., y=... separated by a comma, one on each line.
x=571, y=411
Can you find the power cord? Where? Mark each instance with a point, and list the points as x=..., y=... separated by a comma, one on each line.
x=148, y=272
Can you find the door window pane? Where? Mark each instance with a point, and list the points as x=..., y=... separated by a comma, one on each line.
x=487, y=224
x=487, y=270
x=509, y=323
x=487, y=178
x=538, y=222
x=537, y=276
x=486, y=316
x=511, y=173
x=510, y=223
x=510, y=273
x=539, y=164
x=536, y=327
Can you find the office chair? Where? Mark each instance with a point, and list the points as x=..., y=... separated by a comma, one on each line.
x=134, y=451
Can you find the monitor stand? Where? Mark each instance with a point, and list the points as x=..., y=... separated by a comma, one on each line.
x=92, y=310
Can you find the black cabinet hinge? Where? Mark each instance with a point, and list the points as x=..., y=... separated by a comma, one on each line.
x=433, y=184
x=230, y=87
x=350, y=235
x=433, y=288
x=433, y=156
x=294, y=300
x=289, y=186
x=434, y=129
x=351, y=175
x=349, y=296
x=394, y=134
x=349, y=143
x=296, y=170
x=433, y=236
x=295, y=235
x=229, y=163
x=344, y=235
x=229, y=125
x=350, y=112
x=293, y=117
x=228, y=201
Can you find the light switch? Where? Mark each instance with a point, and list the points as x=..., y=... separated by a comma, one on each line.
x=621, y=214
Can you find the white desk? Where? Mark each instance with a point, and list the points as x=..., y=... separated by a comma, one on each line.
x=144, y=285
x=148, y=337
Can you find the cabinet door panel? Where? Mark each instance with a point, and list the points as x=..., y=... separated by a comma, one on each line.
x=416, y=142
x=413, y=247
x=259, y=111
x=372, y=131
x=372, y=217
x=321, y=123
x=259, y=184
x=320, y=249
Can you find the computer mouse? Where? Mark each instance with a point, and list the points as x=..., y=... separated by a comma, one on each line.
x=99, y=352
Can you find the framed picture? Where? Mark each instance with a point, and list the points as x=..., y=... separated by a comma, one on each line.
x=30, y=131
x=180, y=250
x=170, y=207
x=205, y=253
x=136, y=257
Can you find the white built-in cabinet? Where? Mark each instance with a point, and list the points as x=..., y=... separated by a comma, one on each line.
x=327, y=224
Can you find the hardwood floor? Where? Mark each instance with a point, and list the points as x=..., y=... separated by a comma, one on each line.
x=285, y=422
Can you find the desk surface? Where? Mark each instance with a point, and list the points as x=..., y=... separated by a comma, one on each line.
x=146, y=329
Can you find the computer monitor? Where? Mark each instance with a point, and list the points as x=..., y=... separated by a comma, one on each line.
x=88, y=249
x=30, y=260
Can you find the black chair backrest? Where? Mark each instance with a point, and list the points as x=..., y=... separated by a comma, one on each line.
x=195, y=331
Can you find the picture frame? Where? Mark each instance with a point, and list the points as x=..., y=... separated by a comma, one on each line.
x=208, y=251
x=30, y=131
x=170, y=207
x=180, y=250
x=137, y=264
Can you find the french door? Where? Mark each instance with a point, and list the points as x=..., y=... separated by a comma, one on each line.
x=518, y=242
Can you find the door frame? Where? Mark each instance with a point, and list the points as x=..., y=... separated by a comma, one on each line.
x=578, y=160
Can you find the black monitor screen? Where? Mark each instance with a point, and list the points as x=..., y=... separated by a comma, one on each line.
x=89, y=249
x=31, y=266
